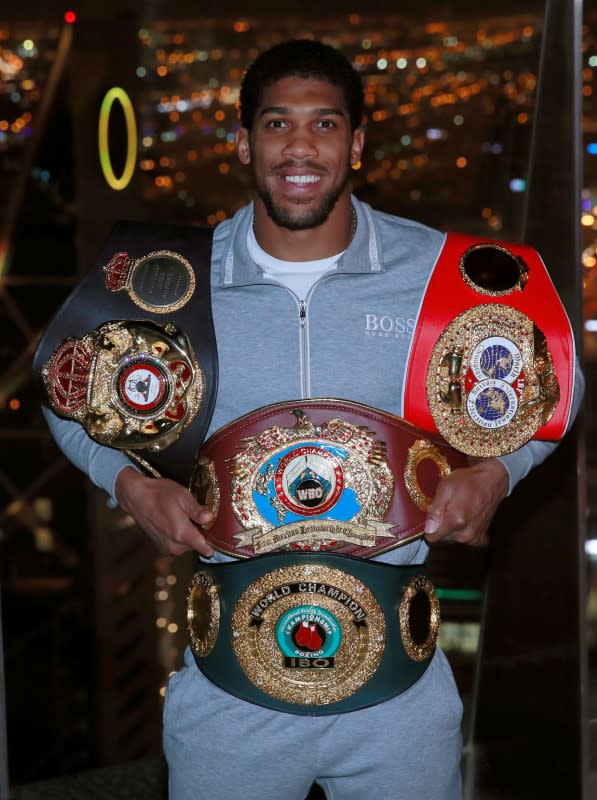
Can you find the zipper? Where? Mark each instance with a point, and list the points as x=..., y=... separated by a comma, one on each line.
x=305, y=369
x=304, y=334
x=304, y=345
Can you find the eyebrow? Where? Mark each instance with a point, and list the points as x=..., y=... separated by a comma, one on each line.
x=284, y=110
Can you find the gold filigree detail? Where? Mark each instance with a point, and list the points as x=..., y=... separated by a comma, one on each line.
x=521, y=404
x=419, y=651
x=204, y=484
x=422, y=450
x=365, y=470
x=104, y=412
x=263, y=604
x=171, y=307
x=143, y=463
x=203, y=614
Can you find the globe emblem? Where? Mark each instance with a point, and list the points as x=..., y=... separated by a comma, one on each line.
x=496, y=361
x=492, y=404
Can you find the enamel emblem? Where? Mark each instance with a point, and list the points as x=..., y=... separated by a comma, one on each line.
x=311, y=487
x=160, y=282
x=490, y=382
x=132, y=385
x=308, y=634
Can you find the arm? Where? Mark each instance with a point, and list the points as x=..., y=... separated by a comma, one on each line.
x=467, y=499
x=164, y=509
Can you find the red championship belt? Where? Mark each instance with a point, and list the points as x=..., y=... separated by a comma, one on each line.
x=492, y=358
x=313, y=475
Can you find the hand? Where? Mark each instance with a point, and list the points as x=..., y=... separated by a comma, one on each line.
x=465, y=502
x=166, y=511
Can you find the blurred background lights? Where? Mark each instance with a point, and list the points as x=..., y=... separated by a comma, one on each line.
x=518, y=185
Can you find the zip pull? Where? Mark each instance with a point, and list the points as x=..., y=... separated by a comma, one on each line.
x=303, y=313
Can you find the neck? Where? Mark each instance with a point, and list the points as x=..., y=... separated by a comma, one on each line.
x=331, y=237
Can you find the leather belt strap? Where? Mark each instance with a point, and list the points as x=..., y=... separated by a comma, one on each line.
x=312, y=634
x=100, y=297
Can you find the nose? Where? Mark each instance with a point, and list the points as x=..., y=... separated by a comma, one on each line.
x=300, y=144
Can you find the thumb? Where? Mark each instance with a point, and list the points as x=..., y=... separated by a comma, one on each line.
x=437, y=509
x=433, y=521
x=201, y=515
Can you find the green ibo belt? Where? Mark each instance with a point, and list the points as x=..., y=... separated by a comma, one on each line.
x=312, y=633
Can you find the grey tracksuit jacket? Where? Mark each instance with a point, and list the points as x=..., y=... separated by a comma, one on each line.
x=349, y=339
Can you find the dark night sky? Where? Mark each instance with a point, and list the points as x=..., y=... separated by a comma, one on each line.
x=53, y=9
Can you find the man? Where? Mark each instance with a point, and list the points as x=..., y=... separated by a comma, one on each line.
x=295, y=275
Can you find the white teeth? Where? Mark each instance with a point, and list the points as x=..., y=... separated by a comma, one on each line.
x=302, y=178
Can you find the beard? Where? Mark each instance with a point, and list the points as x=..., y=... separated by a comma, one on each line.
x=290, y=217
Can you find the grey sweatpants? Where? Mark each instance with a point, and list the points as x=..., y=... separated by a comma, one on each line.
x=222, y=748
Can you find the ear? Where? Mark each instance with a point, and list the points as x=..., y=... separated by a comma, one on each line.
x=358, y=142
x=243, y=146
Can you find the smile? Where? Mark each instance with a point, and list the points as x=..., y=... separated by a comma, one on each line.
x=302, y=178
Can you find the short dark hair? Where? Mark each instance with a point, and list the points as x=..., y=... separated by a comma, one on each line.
x=302, y=58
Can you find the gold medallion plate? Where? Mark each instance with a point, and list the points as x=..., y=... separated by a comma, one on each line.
x=308, y=634
x=132, y=385
x=490, y=382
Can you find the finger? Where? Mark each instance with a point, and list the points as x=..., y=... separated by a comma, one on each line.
x=436, y=512
x=202, y=516
x=203, y=546
x=199, y=543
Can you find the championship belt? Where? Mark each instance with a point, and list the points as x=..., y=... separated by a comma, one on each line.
x=312, y=633
x=132, y=385
x=312, y=475
x=131, y=354
x=492, y=358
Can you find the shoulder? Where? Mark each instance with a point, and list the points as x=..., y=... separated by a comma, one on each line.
x=223, y=230
x=227, y=232
x=392, y=226
x=403, y=240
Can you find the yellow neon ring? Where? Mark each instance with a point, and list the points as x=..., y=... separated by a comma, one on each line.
x=113, y=182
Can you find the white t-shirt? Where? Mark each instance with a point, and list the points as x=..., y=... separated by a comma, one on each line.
x=298, y=276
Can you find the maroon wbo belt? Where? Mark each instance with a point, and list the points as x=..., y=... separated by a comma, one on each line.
x=319, y=475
